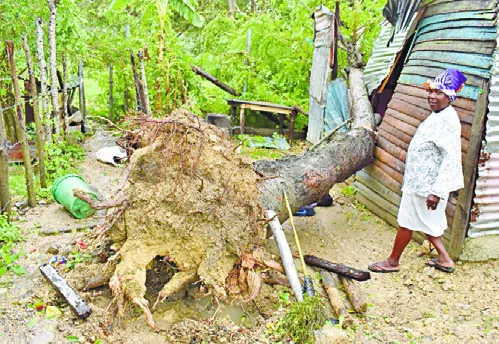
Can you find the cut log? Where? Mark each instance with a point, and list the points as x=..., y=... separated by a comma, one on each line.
x=215, y=81
x=333, y=294
x=343, y=270
x=354, y=295
x=77, y=304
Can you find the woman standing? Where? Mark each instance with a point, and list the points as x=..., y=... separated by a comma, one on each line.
x=432, y=170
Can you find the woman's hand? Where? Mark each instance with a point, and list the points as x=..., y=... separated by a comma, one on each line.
x=432, y=201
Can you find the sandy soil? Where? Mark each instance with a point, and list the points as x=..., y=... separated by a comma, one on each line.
x=416, y=305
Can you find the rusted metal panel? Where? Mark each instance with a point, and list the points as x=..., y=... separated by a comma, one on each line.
x=324, y=26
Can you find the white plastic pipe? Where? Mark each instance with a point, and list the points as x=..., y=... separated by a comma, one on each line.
x=285, y=252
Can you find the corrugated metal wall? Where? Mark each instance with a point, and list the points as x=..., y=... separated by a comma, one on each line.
x=459, y=34
x=324, y=24
x=485, y=214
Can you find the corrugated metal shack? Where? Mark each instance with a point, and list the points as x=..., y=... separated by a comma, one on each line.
x=443, y=34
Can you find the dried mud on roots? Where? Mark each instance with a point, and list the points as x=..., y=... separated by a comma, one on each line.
x=192, y=200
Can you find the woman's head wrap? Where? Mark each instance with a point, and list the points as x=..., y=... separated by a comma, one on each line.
x=450, y=82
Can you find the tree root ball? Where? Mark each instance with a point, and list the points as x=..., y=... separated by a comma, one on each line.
x=191, y=199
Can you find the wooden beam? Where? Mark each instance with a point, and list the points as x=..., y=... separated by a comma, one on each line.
x=215, y=81
x=462, y=216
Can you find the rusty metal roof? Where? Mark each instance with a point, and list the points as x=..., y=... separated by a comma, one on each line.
x=382, y=56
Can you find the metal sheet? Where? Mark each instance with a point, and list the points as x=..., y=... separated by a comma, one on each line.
x=319, y=74
x=337, y=106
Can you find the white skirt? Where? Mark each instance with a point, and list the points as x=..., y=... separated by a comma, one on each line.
x=415, y=215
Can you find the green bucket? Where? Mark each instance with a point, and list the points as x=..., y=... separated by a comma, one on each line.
x=62, y=191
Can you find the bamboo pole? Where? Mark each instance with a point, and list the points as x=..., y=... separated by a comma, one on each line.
x=356, y=299
x=43, y=79
x=40, y=137
x=83, y=105
x=53, y=70
x=5, y=201
x=147, y=105
x=111, y=91
x=65, y=114
x=331, y=285
x=20, y=127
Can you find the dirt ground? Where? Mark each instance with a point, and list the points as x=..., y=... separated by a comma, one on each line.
x=416, y=305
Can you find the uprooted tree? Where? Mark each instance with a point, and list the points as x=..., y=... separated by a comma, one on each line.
x=191, y=199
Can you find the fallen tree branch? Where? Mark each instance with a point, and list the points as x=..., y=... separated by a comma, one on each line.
x=343, y=270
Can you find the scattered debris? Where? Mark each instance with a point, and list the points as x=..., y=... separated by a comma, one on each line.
x=331, y=285
x=112, y=155
x=76, y=303
x=343, y=270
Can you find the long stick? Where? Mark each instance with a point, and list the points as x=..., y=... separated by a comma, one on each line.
x=40, y=137
x=304, y=267
x=5, y=200
x=20, y=127
x=53, y=72
x=46, y=131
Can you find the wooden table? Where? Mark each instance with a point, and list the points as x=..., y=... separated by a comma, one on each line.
x=282, y=110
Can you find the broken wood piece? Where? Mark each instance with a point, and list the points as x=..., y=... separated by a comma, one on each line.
x=77, y=304
x=331, y=284
x=354, y=295
x=215, y=81
x=343, y=270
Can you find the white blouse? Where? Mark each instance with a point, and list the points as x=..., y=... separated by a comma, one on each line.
x=433, y=162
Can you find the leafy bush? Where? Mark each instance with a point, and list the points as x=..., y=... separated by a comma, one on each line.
x=9, y=235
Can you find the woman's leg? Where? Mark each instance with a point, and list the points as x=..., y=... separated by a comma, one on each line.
x=443, y=257
x=402, y=238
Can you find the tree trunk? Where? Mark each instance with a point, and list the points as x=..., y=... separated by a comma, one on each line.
x=231, y=4
x=307, y=177
x=83, y=105
x=53, y=71
x=40, y=137
x=146, y=103
x=111, y=91
x=4, y=171
x=43, y=78
x=20, y=127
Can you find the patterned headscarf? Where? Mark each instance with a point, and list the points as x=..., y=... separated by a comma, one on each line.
x=450, y=82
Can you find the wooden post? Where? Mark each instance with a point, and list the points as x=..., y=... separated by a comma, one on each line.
x=292, y=117
x=5, y=201
x=83, y=105
x=231, y=4
x=281, y=124
x=53, y=70
x=354, y=295
x=147, y=105
x=241, y=120
x=40, y=137
x=43, y=80
x=138, y=92
x=331, y=285
x=111, y=91
x=65, y=113
x=20, y=127
x=246, y=60
x=461, y=218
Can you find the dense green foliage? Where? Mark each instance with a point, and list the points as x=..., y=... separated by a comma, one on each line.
x=9, y=235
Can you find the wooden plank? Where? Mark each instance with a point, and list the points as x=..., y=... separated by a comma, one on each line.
x=392, y=149
x=389, y=160
x=465, y=200
x=266, y=108
x=419, y=91
x=413, y=106
x=396, y=123
x=395, y=132
x=481, y=47
x=373, y=207
x=397, y=176
x=393, y=139
x=378, y=187
x=384, y=178
x=76, y=303
x=459, y=6
x=404, y=115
